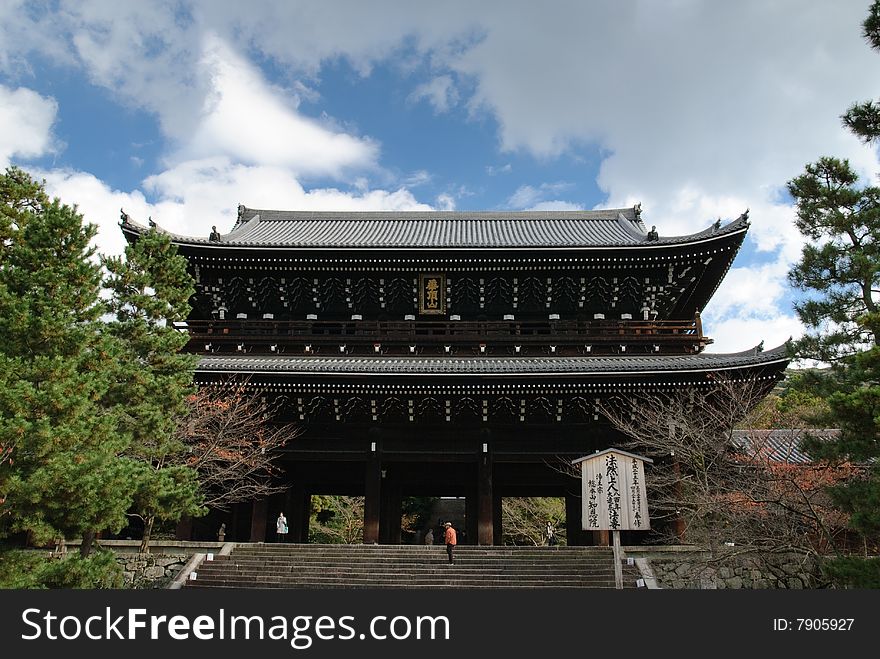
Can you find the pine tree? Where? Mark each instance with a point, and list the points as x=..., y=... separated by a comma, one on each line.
x=840, y=273
x=61, y=473
x=150, y=290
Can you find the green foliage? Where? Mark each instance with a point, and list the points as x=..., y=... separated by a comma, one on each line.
x=57, y=443
x=863, y=119
x=840, y=264
x=150, y=290
x=87, y=408
x=336, y=520
x=36, y=570
x=794, y=407
x=524, y=519
x=840, y=272
x=853, y=572
x=20, y=196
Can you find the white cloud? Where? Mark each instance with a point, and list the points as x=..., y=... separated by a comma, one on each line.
x=528, y=196
x=492, y=170
x=741, y=333
x=751, y=306
x=525, y=195
x=755, y=290
x=445, y=202
x=417, y=178
x=252, y=122
x=699, y=110
x=26, y=120
x=556, y=205
x=191, y=197
x=440, y=92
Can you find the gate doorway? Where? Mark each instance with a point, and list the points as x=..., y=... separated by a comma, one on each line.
x=525, y=520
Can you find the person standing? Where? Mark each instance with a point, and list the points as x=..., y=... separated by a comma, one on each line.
x=451, y=540
x=281, y=528
x=551, y=534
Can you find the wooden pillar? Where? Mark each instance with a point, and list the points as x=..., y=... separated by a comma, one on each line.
x=497, y=526
x=306, y=517
x=390, y=509
x=470, y=512
x=372, y=489
x=259, y=514
x=573, y=520
x=232, y=533
x=298, y=503
x=395, y=509
x=485, y=500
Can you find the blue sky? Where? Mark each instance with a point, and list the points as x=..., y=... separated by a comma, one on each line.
x=182, y=110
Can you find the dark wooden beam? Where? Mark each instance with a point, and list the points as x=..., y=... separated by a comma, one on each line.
x=485, y=497
x=372, y=489
x=259, y=514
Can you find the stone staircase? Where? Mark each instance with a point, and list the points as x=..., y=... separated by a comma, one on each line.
x=407, y=566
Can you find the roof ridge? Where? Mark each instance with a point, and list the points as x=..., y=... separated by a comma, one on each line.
x=607, y=215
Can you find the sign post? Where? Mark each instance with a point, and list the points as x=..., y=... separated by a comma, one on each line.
x=613, y=496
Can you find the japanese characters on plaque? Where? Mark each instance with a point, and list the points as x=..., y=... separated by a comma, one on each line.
x=613, y=491
x=432, y=293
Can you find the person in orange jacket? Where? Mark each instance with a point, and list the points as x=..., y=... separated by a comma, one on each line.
x=451, y=541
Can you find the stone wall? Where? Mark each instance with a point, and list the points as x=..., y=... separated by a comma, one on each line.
x=787, y=571
x=150, y=570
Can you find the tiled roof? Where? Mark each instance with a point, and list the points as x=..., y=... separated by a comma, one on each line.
x=499, y=366
x=443, y=229
x=781, y=445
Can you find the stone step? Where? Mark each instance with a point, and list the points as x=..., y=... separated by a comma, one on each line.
x=347, y=574
x=449, y=579
x=411, y=569
x=403, y=549
x=401, y=566
x=420, y=557
x=396, y=563
x=411, y=586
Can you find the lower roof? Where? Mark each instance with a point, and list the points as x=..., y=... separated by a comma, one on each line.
x=492, y=366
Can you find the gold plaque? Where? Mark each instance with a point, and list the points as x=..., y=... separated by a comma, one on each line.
x=432, y=294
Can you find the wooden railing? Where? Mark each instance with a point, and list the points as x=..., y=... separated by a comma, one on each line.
x=368, y=331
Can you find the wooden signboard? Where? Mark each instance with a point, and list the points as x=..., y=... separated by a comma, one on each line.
x=613, y=495
x=613, y=491
x=432, y=293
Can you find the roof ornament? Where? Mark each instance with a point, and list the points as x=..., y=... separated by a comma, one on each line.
x=760, y=347
x=150, y=221
x=637, y=210
x=241, y=210
x=124, y=216
x=215, y=235
x=717, y=225
x=745, y=216
x=652, y=234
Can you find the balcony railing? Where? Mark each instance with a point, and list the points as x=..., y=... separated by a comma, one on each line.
x=422, y=332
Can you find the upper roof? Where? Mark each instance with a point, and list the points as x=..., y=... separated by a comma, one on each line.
x=621, y=227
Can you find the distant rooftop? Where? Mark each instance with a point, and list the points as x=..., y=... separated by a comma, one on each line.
x=781, y=445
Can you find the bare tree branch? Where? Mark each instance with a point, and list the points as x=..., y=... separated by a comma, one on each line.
x=233, y=445
x=724, y=491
